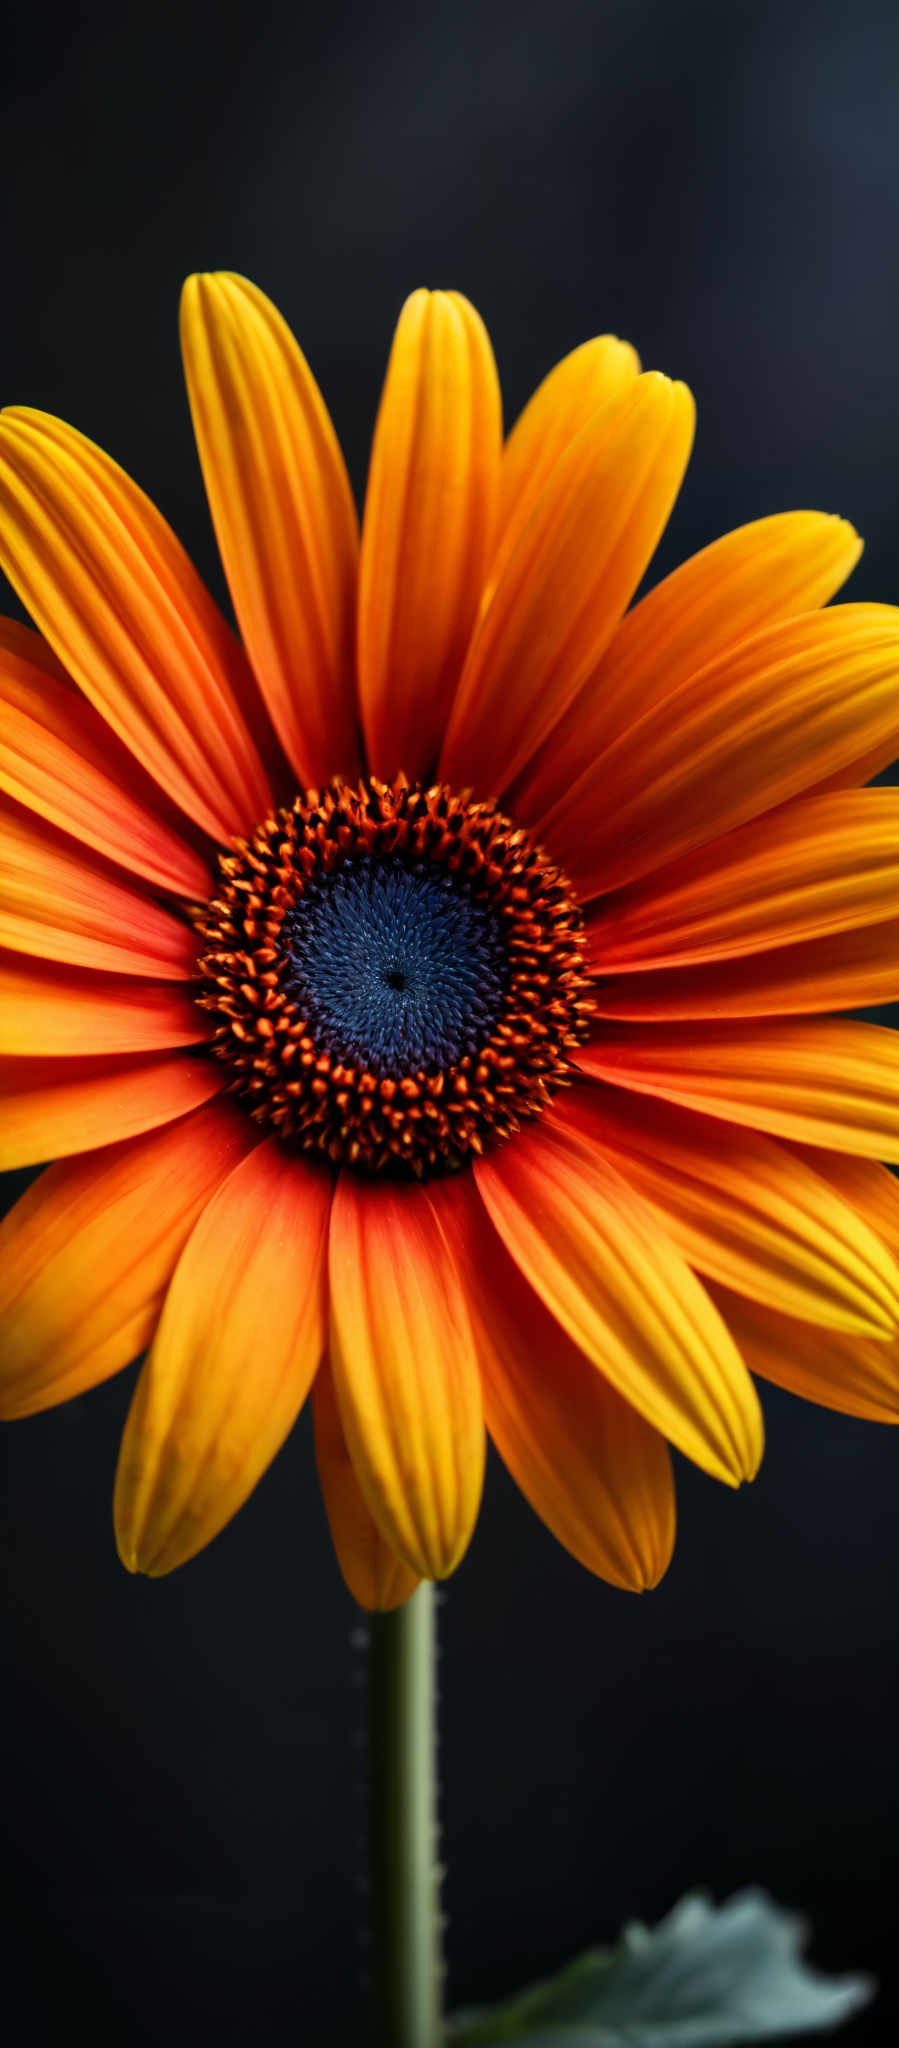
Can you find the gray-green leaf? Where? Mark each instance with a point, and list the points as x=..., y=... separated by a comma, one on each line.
x=706, y=1977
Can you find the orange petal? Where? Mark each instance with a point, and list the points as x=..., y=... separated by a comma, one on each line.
x=773, y=569
x=755, y=728
x=744, y=1210
x=856, y=1375
x=822, y=1083
x=51, y=1108
x=240, y=1336
x=59, y=758
x=429, y=513
x=113, y=591
x=592, y=1469
x=575, y=567
x=62, y=905
x=53, y=1011
x=598, y=1258
x=26, y=646
x=405, y=1371
x=86, y=1255
x=864, y=768
x=560, y=406
x=872, y=1189
x=845, y=972
x=376, y=1577
x=820, y=865
x=283, y=512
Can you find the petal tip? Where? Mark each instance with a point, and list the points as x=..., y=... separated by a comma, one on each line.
x=739, y=1465
x=197, y=291
x=755, y=1452
x=652, y=1576
x=416, y=302
x=852, y=540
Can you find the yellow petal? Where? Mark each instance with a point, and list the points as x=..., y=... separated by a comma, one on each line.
x=575, y=389
x=405, y=1371
x=825, y=1082
x=429, y=513
x=573, y=571
x=755, y=728
x=601, y=1263
x=88, y=1251
x=60, y=758
x=376, y=1577
x=772, y=569
x=592, y=1469
x=60, y=904
x=52, y=1108
x=240, y=1337
x=116, y=597
x=821, y=865
x=744, y=1210
x=283, y=512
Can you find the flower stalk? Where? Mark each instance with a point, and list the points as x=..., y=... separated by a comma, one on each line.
x=405, y=1920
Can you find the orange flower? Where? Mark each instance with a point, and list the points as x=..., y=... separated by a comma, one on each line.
x=420, y=996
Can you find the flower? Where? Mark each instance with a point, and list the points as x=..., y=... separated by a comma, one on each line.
x=428, y=999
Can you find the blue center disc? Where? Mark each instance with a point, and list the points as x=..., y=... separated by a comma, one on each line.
x=395, y=966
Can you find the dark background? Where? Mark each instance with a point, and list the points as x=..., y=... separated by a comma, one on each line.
x=183, y=1764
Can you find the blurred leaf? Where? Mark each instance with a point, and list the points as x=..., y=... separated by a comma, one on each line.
x=706, y=1977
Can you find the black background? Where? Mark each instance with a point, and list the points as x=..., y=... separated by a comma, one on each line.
x=183, y=1769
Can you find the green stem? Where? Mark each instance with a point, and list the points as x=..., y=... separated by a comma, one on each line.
x=406, y=1969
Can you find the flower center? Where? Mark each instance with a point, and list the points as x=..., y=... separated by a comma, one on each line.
x=396, y=966
x=396, y=974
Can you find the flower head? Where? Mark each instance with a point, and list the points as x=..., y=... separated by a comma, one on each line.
x=430, y=998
